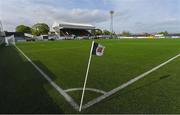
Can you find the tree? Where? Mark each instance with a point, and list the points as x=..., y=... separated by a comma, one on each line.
x=98, y=32
x=23, y=28
x=126, y=33
x=165, y=33
x=40, y=29
x=106, y=32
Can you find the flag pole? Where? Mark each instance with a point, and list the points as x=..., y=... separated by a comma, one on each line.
x=85, y=81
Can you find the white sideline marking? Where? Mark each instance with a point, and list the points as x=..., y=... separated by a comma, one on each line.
x=88, y=89
x=100, y=98
x=59, y=89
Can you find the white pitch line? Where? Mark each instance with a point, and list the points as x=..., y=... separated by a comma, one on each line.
x=100, y=98
x=59, y=89
x=88, y=89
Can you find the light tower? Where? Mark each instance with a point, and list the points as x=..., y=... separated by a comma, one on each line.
x=111, y=24
x=1, y=27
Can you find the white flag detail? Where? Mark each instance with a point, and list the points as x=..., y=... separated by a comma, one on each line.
x=98, y=49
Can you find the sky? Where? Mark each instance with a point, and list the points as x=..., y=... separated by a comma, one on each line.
x=135, y=16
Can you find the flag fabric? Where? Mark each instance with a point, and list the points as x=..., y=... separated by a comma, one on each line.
x=98, y=49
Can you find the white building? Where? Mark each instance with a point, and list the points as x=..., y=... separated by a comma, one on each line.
x=159, y=36
x=66, y=30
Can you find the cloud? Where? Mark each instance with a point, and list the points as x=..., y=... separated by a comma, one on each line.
x=131, y=15
x=15, y=12
x=147, y=15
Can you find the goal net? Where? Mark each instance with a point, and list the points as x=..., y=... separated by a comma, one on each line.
x=7, y=41
x=10, y=40
x=1, y=40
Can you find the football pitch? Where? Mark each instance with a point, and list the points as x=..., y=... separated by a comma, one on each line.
x=51, y=81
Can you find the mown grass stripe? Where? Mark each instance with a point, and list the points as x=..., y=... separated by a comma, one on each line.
x=59, y=89
x=100, y=98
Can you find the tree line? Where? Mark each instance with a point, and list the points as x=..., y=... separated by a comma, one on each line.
x=42, y=28
x=36, y=29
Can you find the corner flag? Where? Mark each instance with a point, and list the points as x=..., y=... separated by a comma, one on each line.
x=98, y=49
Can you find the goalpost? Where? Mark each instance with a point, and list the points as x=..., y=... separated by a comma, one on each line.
x=5, y=40
x=1, y=40
x=9, y=41
x=2, y=34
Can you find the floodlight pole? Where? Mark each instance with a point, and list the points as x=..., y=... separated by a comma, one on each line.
x=111, y=24
x=1, y=27
x=85, y=81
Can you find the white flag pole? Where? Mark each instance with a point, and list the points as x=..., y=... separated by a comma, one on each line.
x=87, y=72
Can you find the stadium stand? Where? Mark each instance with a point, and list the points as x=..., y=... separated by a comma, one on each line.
x=67, y=30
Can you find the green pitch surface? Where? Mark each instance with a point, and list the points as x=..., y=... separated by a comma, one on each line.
x=24, y=89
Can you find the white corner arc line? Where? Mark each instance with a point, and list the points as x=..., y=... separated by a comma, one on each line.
x=59, y=89
x=100, y=98
x=87, y=89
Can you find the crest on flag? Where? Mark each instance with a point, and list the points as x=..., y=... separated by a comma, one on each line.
x=98, y=49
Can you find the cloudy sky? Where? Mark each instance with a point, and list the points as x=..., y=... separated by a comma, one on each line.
x=135, y=16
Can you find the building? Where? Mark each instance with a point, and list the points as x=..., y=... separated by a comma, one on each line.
x=158, y=36
x=137, y=36
x=175, y=35
x=19, y=36
x=66, y=30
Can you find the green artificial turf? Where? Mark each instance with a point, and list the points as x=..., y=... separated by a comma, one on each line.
x=66, y=62
x=23, y=90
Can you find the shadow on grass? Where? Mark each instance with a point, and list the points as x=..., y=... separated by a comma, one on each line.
x=137, y=88
x=23, y=89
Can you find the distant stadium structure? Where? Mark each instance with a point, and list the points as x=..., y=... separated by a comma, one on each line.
x=66, y=30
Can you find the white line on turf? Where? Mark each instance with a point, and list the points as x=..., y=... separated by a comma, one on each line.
x=59, y=89
x=100, y=98
x=88, y=89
